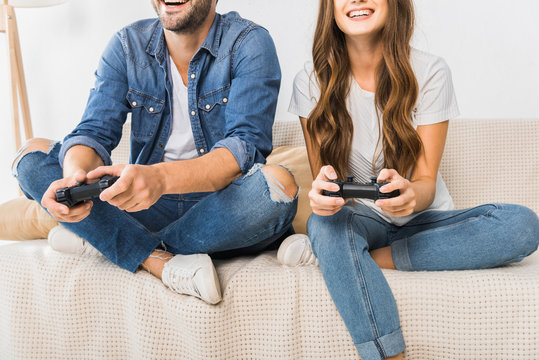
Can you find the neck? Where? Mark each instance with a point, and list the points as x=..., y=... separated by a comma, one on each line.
x=183, y=46
x=365, y=56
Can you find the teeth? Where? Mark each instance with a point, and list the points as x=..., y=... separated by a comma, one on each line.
x=175, y=3
x=359, y=13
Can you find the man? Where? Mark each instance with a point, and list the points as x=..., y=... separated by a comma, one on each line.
x=202, y=91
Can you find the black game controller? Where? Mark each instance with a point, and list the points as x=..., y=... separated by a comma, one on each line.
x=74, y=195
x=351, y=189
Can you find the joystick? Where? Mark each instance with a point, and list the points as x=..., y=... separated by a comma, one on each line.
x=74, y=195
x=351, y=189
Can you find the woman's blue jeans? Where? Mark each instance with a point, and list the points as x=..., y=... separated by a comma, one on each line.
x=242, y=218
x=482, y=237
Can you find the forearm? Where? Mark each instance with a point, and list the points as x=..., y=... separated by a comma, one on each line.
x=426, y=170
x=80, y=157
x=211, y=172
x=425, y=191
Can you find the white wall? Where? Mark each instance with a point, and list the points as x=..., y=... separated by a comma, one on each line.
x=491, y=47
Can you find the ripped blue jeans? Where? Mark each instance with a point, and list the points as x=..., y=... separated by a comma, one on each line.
x=245, y=217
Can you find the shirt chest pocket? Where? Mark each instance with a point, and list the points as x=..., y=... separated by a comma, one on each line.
x=212, y=108
x=145, y=113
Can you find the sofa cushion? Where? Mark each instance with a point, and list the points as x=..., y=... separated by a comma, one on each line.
x=489, y=161
x=23, y=219
x=295, y=159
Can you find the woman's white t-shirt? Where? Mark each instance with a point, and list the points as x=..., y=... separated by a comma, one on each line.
x=436, y=103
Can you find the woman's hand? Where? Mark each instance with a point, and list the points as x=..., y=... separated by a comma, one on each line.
x=138, y=187
x=401, y=205
x=325, y=205
x=59, y=211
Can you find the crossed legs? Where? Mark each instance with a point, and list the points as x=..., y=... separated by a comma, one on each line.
x=252, y=212
x=282, y=187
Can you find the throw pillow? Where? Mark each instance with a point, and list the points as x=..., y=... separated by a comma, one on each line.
x=295, y=159
x=23, y=219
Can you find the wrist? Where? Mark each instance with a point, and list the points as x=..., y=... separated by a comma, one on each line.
x=80, y=158
x=424, y=193
x=161, y=178
x=69, y=171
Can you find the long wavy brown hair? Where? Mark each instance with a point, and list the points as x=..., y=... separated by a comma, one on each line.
x=330, y=126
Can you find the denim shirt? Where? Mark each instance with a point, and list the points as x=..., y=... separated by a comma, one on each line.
x=233, y=84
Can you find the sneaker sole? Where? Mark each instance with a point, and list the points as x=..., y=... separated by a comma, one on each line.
x=215, y=297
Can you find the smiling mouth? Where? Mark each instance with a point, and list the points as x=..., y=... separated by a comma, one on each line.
x=354, y=14
x=174, y=3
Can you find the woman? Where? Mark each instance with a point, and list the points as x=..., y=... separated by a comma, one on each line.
x=370, y=105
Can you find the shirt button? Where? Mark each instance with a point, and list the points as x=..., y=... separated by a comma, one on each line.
x=134, y=103
x=225, y=100
x=201, y=151
x=208, y=107
x=193, y=76
x=151, y=109
x=193, y=113
x=160, y=145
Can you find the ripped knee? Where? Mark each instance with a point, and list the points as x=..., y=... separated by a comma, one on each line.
x=281, y=183
x=35, y=144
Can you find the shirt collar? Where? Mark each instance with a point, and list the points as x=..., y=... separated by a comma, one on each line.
x=156, y=46
x=213, y=39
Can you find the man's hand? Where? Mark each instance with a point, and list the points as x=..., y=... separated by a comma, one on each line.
x=138, y=188
x=60, y=212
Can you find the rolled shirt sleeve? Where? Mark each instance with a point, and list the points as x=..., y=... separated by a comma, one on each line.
x=252, y=100
x=87, y=141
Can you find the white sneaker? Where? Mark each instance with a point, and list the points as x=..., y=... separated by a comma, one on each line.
x=296, y=250
x=193, y=275
x=65, y=241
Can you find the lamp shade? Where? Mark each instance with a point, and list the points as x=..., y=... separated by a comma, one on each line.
x=34, y=3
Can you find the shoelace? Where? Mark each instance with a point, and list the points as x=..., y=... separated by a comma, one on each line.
x=181, y=280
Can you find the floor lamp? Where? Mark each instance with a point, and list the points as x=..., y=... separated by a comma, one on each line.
x=19, y=95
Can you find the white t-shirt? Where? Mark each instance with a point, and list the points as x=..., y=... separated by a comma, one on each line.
x=436, y=103
x=181, y=142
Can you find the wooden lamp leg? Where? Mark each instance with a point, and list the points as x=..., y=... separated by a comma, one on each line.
x=23, y=93
x=18, y=84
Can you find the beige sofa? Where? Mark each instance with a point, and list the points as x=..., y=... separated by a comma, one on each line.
x=56, y=306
